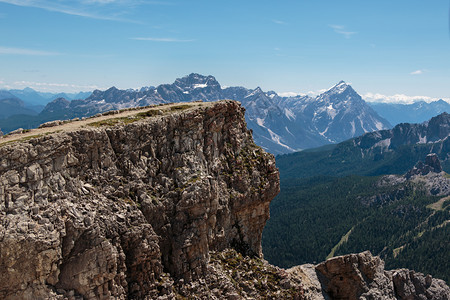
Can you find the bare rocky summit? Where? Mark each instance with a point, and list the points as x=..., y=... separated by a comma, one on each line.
x=362, y=276
x=431, y=164
x=154, y=206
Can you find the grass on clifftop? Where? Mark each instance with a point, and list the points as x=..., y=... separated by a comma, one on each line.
x=139, y=116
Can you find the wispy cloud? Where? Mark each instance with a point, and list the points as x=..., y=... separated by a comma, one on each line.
x=93, y=9
x=398, y=98
x=279, y=22
x=340, y=29
x=51, y=86
x=417, y=72
x=288, y=94
x=166, y=40
x=24, y=51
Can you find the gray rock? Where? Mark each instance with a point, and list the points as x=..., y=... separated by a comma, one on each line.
x=102, y=211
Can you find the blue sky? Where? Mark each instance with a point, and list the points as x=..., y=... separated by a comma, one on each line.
x=381, y=47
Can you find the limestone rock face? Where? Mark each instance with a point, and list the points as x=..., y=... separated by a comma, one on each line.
x=121, y=211
x=432, y=160
x=165, y=206
x=431, y=165
x=362, y=276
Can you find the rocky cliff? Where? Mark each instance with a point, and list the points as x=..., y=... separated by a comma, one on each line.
x=103, y=211
x=167, y=202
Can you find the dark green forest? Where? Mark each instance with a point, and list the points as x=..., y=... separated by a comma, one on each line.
x=347, y=159
x=311, y=215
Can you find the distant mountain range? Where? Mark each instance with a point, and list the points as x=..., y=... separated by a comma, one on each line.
x=280, y=124
x=417, y=112
x=31, y=97
x=381, y=152
x=11, y=105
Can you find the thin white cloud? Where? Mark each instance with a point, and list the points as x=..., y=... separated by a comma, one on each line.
x=288, y=94
x=417, y=72
x=341, y=29
x=99, y=1
x=85, y=8
x=51, y=86
x=166, y=40
x=24, y=51
x=57, y=7
x=398, y=98
x=279, y=22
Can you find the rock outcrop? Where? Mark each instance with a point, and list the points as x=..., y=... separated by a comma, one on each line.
x=431, y=165
x=105, y=211
x=362, y=276
x=169, y=203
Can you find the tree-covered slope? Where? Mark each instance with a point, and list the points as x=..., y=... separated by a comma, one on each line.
x=392, y=151
x=337, y=200
x=316, y=218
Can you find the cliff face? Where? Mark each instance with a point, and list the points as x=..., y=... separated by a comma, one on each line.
x=362, y=276
x=166, y=202
x=105, y=211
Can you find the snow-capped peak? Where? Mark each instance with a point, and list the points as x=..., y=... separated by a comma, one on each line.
x=338, y=88
x=254, y=92
x=196, y=81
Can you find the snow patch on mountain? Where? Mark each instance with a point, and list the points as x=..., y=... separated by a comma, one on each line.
x=260, y=122
x=383, y=143
x=379, y=125
x=422, y=139
x=353, y=130
x=200, y=85
x=331, y=111
x=277, y=139
x=289, y=114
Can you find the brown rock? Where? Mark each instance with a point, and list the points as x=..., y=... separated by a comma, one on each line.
x=101, y=212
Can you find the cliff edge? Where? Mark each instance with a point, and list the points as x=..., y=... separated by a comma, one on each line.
x=163, y=202
x=104, y=210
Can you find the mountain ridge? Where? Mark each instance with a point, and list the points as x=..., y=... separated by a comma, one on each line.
x=280, y=124
x=392, y=151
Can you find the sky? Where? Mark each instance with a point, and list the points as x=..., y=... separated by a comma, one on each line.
x=392, y=50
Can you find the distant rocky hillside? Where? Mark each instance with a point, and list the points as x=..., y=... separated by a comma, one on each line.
x=417, y=112
x=385, y=191
x=166, y=203
x=279, y=124
x=392, y=151
x=11, y=105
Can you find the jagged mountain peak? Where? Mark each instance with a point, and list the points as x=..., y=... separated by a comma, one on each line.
x=113, y=88
x=442, y=119
x=256, y=92
x=195, y=80
x=56, y=105
x=28, y=89
x=339, y=88
x=146, y=89
x=343, y=94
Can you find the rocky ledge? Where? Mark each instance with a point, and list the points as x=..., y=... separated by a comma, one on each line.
x=165, y=203
x=104, y=211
